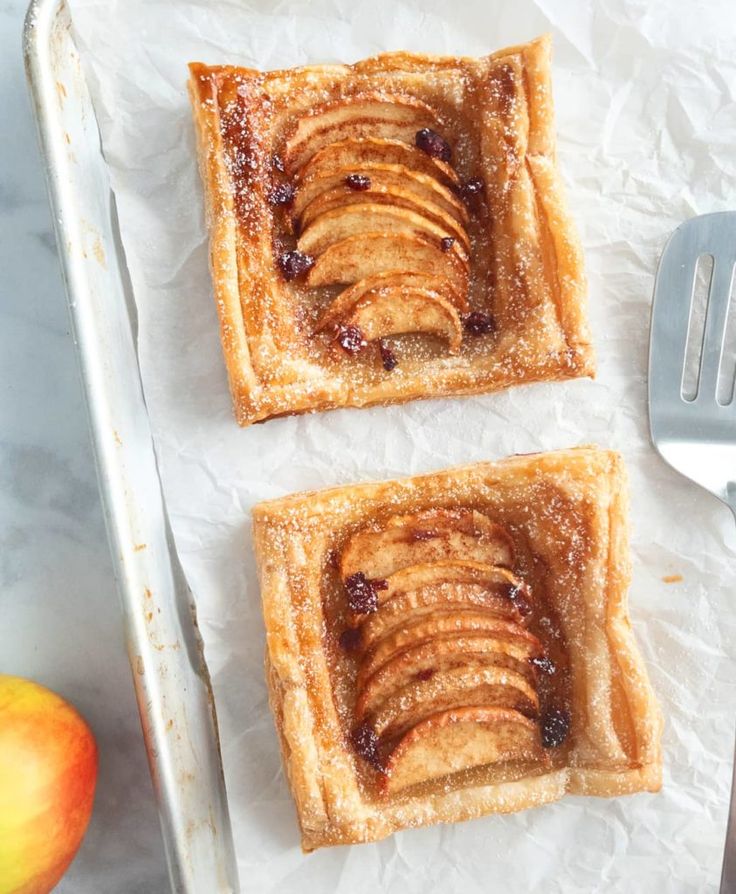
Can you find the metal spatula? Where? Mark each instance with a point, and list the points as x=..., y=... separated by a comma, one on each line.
x=695, y=430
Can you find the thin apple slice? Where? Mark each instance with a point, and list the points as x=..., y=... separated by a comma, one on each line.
x=394, y=281
x=424, y=190
x=406, y=608
x=454, y=571
x=388, y=312
x=459, y=739
x=429, y=536
x=368, y=217
x=355, y=153
x=396, y=197
x=395, y=302
x=393, y=116
x=458, y=687
x=441, y=655
x=367, y=254
x=443, y=626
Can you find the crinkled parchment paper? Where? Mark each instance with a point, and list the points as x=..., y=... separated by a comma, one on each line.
x=646, y=115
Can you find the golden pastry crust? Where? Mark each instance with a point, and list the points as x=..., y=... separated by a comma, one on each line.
x=567, y=514
x=525, y=251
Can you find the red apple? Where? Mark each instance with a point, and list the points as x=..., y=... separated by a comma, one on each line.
x=48, y=770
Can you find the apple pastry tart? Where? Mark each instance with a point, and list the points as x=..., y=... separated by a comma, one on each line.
x=389, y=230
x=455, y=644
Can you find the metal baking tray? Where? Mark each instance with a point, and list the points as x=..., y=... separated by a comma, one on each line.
x=169, y=672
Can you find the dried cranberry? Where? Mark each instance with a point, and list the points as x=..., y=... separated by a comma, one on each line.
x=350, y=639
x=296, y=226
x=479, y=323
x=555, y=727
x=433, y=144
x=362, y=594
x=472, y=188
x=425, y=674
x=358, y=182
x=544, y=664
x=295, y=263
x=518, y=595
x=447, y=243
x=277, y=162
x=365, y=742
x=379, y=584
x=350, y=339
x=281, y=194
x=388, y=358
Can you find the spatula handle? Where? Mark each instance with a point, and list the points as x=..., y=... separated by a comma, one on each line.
x=728, y=873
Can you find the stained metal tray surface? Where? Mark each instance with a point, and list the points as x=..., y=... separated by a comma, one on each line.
x=169, y=672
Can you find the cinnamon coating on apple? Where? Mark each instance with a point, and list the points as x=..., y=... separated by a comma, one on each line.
x=376, y=203
x=448, y=673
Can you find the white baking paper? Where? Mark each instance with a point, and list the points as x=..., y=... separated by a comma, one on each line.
x=646, y=114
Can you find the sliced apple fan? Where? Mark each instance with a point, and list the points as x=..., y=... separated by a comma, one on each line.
x=369, y=204
x=444, y=656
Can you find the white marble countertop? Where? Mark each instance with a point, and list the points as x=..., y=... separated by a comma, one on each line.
x=59, y=617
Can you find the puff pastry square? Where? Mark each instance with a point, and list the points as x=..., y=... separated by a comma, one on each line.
x=389, y=230
x=455, y=644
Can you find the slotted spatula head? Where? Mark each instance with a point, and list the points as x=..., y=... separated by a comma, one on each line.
x=695, y=434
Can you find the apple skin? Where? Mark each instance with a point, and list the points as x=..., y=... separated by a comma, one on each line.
x=48, y=771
